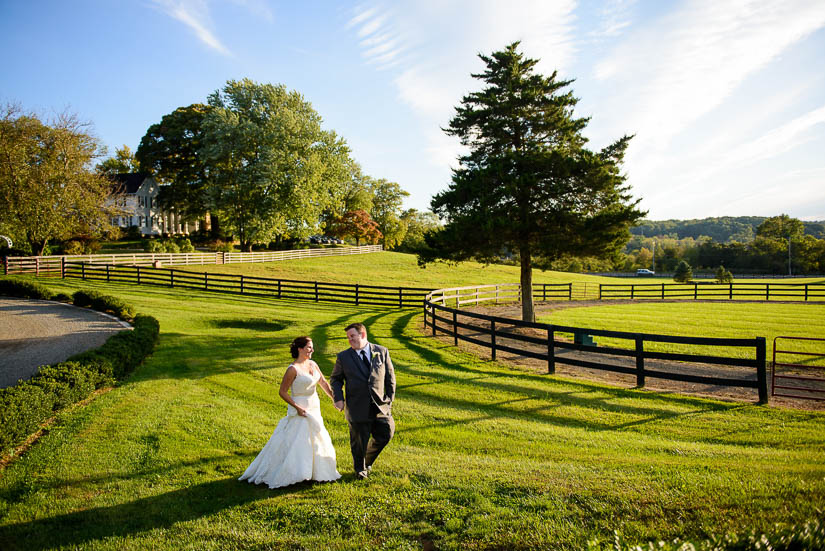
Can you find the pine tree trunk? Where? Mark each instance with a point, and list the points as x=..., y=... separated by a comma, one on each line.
x=527, y=311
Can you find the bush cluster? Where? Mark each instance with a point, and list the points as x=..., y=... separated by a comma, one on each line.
x=23, y=289
x=179, y=245
x=104, y=303
x=25, y=406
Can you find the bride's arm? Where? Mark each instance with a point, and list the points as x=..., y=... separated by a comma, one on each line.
x=324, y=384
x=286, y=382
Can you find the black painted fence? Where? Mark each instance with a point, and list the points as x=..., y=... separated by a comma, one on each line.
x=357, y=294
x=446, y=320
x=709, y=291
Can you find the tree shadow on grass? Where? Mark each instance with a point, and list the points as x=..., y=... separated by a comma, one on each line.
x=551, y=392
x=142, y=515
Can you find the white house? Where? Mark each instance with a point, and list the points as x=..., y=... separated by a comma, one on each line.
x=136, y=196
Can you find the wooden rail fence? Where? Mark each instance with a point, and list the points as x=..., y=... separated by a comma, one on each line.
x=719, y=291
x=46, y=265
x=357, y=294
x=445, y=320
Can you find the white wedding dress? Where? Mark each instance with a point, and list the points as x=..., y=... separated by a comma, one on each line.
x=300, y=448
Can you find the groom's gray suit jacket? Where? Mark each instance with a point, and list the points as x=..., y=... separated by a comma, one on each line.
x=377, y=387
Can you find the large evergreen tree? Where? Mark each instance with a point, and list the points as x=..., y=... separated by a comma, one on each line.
x=528, y=183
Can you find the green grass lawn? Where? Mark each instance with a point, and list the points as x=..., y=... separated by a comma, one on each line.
x=705, y=319
x=391, y=269
x=485, y=456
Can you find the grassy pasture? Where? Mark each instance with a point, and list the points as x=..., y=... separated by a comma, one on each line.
x=704, y=319
x=485, y=457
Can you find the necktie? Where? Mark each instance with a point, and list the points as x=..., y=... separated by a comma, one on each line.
x=365, y=361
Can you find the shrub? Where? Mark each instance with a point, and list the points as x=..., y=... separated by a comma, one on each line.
x=723, y=275
x=683, y=273
x=22, y=409
x=104, y=303
x=171, y=247
x=69, y=382
x=185, y=245
x=23, y=289
x=73, y=247
x=62, y=297
x=153, y=246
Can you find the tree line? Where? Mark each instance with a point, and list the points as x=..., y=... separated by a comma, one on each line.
x=255, y=157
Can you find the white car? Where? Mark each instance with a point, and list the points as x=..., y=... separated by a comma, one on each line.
x=645, y=272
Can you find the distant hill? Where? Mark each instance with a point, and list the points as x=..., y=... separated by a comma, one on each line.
x=722, y=230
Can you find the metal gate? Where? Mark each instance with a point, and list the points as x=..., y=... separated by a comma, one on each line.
x=805, y=380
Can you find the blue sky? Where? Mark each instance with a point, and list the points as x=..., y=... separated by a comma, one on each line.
x=726, y=98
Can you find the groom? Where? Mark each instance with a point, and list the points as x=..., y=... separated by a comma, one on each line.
x=366, y=371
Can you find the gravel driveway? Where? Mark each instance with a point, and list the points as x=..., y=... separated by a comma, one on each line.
x=40, y=332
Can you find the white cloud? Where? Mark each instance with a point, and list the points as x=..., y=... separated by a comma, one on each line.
x=195, y=15
x=687, y=63
x=433, y=46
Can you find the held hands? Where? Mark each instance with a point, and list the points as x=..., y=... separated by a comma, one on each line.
x=301, y=411
x=339, y=405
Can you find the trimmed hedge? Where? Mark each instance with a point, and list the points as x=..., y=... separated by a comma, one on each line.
x=23, y=289
x=25, y=406
x=104, y=303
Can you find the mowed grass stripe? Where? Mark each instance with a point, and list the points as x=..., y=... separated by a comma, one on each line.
x=485, y=456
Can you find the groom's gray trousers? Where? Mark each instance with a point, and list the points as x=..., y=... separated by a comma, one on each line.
x=364, y=450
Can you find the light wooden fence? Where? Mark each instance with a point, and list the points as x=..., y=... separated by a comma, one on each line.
x=52, y=265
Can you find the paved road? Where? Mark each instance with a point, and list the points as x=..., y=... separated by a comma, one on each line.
x=40, y=332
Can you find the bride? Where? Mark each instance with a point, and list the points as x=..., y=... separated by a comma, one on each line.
x=300, y=448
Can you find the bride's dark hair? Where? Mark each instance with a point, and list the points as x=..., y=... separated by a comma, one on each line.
x=299, y=342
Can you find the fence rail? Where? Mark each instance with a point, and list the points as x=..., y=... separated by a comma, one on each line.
x=318, y=291
x=443, y=319
x=801, y=379
x=46, y=265
x=719, y=291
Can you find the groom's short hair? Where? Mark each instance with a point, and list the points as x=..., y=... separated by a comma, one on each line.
x=360, y=327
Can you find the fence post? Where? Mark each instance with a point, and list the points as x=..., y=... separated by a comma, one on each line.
x=63, y=271
x=767, y=291
x=432, y=315
x=632, y=291
x=730, y=292
x=493, y=339
x=455, y=328
x=400, y=298
x=138, y=274
x=551, y=350
x=695, y=290
x=425, y=307
x=663, y=291
x=570, y=290
x=806, y=292
x=600, y=291
x=171, y=278
x=241, y=283
x=205, y=281
x=316, y=291
x=761, y=370
x=640, y=362
x=279, y=288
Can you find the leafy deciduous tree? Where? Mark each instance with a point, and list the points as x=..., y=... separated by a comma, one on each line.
x=356, y=224
x=170, y=151
x=123, y=162
x=272, y=169
x=48, y=186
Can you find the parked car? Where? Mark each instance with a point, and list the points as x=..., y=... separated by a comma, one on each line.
x=645, y=272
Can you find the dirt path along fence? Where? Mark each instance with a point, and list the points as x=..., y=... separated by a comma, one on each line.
x=545, y=342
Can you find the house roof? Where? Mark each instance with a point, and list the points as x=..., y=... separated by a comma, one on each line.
x=129, y=182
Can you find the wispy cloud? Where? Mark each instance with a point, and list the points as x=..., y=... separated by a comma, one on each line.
x=432, y=47
x=195, y=15
x=684, y=65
